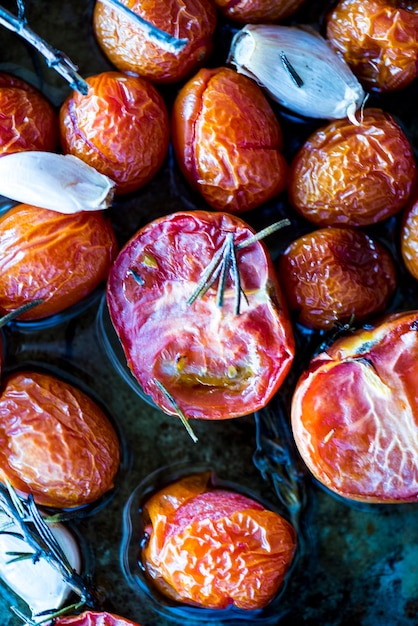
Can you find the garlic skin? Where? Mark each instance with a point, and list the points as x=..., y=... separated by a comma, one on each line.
x=298, y=69
x=62, y=183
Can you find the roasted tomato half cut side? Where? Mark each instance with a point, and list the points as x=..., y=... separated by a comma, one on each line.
x=93, y=618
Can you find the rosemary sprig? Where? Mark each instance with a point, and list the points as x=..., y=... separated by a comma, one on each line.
x=9, y=317
x=177, y=409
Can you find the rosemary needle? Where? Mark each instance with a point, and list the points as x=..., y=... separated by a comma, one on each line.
x=176, y=407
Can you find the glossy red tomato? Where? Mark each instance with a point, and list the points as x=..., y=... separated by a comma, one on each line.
x=28, y=120
x=52, y=256
x=228, y=141
x=258, y=11
x=355, y=413
x=93, y=618
x=56, y=442
x=120, y=127
x=336, y=275
x=409, y=238
x=129, y=47
x=214, y=548
x=378, y=39
x=353, y=175
x=215, y=363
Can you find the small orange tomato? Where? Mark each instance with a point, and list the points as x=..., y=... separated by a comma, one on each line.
x=120, y=127
x=93, y=618
x=51, y=256
x=228, y=141
x=409, y=239
x=56, y=443
x=353, y=175
x=334, y=274
x=258, y=11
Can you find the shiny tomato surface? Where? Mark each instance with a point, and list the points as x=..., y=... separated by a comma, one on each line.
x=120, y=127
x=258, y=11
x=129, y=46
x=336, y=275
x=215, y=363
x=353, y=175
x=56, y=442
x=52, y=256
x=92, y=618
x=378, y=39
x=409, y=238
x=228, y=141
x=28, y=120
x=214, y=548
x=355, y=413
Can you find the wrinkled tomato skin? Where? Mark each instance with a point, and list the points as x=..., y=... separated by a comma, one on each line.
x=214, y=548
x=258, y=11
x=215, y=363
x=379, y=41
x=409, y=239
x=56, y=442
x=336, y=275
x=93, y=618
x=121, y=128
x=130, y=49
x=52, y=256
x=355, y=413
x=228, y=141
x=28, y=120
x=353, y=175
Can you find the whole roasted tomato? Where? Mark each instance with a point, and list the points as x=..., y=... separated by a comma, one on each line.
x=378, y=39
x=228, y=141
x=51, y=256
x=258, y=11
x=353, y=175
x=355, y=413
x=213, y=547
x=130, y=48
x=409, y=238
x=56, y=442
x=28, y=120
x=220, y=348
x=120, y=127
x=334, y=275
x=92, y=618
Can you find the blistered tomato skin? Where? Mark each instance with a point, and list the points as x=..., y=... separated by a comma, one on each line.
x=409, y=239
x=52, y=256
x=93, y=618
x=215, y=363
x=129, y=48
x=228, y=141
x=28, y=120
x=336, y=275
x=258, y=11
x=378, y=39
x=353, y=175
x=214, y=548
x=120, y=127
x=56, y=442
x=355, y=413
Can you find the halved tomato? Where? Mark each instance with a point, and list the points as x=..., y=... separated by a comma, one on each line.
x=93, y=618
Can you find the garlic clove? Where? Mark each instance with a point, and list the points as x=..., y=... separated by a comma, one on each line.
x=62, y=183
x=298, y=69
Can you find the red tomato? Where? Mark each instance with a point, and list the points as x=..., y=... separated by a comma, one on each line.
x=258, y=11
x=378, y=39
x=213, y=548
x=120, y=127
x=216, y=364
x=92, y=618
x=409, y=238
x=52, y=256
x=355, y=413
x=228, y=141
x=56, y=442
x=128, y=45
x=353, y=175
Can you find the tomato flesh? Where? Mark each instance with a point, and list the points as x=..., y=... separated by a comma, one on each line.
x=93, y=618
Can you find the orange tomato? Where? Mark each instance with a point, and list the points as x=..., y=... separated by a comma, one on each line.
x=258, y=11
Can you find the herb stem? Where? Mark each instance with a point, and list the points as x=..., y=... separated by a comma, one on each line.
x=176, y=407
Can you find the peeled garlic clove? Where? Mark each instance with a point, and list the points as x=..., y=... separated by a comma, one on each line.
x=298, y=69
x=62, y=183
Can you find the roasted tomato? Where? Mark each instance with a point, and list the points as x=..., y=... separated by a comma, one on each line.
x=409, y=238
x=353, y=175
x=129, y=47
x=378, y=39
x=215, y=362
x=92, y=618
x=56, y=442
x=355, y=413
x=120, y=127
x=258, y=11
x=28, y=120
x=228, y=141
x=333, y=275
x=213, y=548
x=51, y=256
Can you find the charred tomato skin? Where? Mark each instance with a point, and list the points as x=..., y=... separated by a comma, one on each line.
x=335, y=275
x=353, y=175
x=258, y=11
x=354, y=413
x=121, y=128
x=228, y=141
x=93, y=618
x=52, y=256
x=409, y=238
